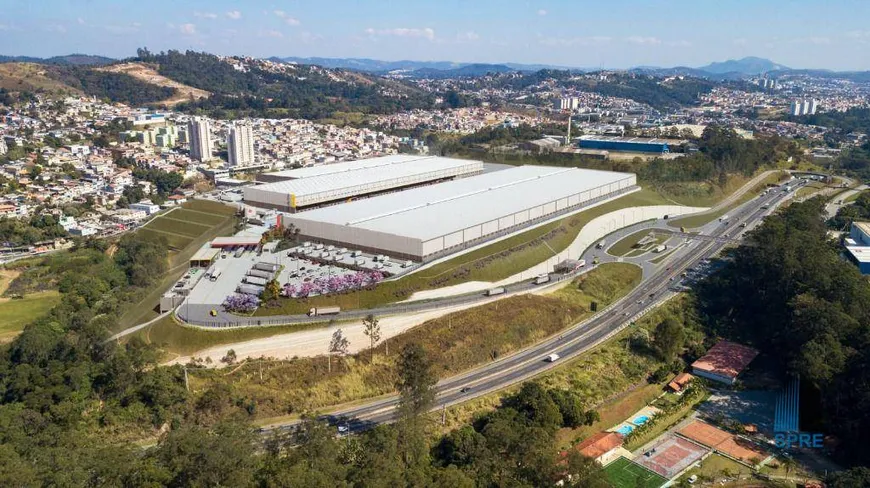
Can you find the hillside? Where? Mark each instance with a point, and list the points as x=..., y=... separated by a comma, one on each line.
x=147, y=74
x=30, y=77
x=246, y=86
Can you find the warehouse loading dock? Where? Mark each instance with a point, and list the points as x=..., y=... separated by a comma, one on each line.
x=426, y=223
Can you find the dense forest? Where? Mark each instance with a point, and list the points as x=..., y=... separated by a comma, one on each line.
x=790, y=294
x=303, y=92
x=40, y=227
x=117, y=87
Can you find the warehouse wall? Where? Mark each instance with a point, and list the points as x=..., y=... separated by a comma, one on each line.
x=494, y=229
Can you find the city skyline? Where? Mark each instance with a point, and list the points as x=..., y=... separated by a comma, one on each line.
x=620, y=34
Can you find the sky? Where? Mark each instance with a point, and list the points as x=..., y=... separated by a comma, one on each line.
x=831, y=34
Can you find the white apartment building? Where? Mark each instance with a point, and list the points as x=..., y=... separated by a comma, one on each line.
x=240, y=145
x=200, y=139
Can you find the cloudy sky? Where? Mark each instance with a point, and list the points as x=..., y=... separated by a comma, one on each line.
x=832, y=34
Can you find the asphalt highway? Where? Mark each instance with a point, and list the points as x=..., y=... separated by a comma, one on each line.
x=651, y=292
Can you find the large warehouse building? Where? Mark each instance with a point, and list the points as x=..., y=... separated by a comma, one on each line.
x=429, y=222
x=631, y=144
x=303, y=188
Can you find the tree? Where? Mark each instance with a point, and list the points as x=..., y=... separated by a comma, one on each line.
x=373, y=330
x=337, y=345
x=230, y=357
x=416, y=398
x=271, y=291
x=669, y=338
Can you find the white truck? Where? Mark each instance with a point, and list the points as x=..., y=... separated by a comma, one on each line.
x=317, y=311
x=601, y=244
x=660, y=248
x=552, y=358
x=215, y=275
x=541, y=279
x=495, y=291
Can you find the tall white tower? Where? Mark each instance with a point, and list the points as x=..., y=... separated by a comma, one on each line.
x=240, y=145
x=200, y=139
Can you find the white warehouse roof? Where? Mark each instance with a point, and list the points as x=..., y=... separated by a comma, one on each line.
x=368, y=176
x=362, y=164
x=431, y=212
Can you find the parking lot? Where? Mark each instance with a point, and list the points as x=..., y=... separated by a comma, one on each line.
x=299, y=267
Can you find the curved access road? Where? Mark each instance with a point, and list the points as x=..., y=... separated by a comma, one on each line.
x=578, y=339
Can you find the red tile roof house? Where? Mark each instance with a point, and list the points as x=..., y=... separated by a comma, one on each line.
x=602, y=447
x=680, y=381
x=724, y=362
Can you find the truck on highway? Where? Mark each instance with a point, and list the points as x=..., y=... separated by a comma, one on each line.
x=495, y=291
x=541, y=279
x=317, y=311
x=723, y=218
x=215, y=275
x=552, y=358
x=601, y=244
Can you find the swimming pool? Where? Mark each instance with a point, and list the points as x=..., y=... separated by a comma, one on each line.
x=625, y=429
x=640, y=420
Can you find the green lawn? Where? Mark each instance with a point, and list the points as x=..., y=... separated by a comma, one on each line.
x=15, y=314
x=490, y=263
x=172, y=224
x=623, y=473
x=626, y=244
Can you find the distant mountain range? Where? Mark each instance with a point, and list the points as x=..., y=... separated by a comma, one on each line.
x=69, y=60
x=748, y=66
x=418, y=68
x=731, y=69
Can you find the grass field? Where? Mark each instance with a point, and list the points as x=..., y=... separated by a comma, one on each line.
x=15, y=314
x=623, y=473
x=626, y=244
x=491, y=263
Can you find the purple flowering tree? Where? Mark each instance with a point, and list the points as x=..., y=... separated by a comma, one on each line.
x=241, y=303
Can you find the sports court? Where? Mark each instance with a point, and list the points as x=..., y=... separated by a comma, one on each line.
x=623, y=473
x=723, y=442
x=671, y=456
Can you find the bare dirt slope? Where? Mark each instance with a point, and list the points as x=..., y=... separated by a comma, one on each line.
x=31, y=77
x=149, y=75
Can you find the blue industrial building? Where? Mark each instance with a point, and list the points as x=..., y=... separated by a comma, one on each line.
x=858, y=246
x=633, y=144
